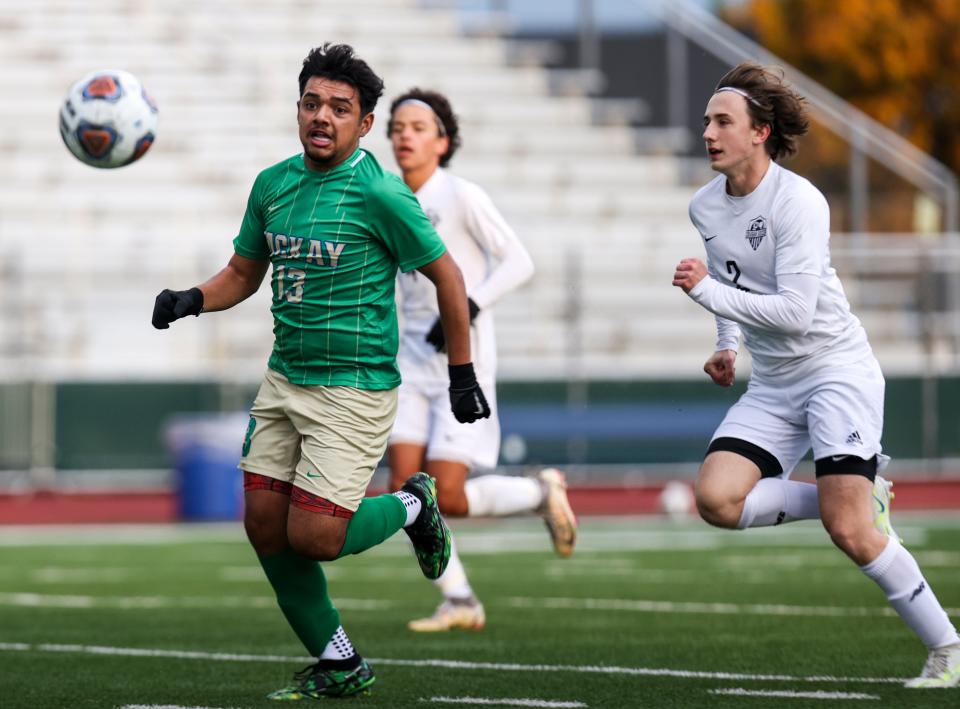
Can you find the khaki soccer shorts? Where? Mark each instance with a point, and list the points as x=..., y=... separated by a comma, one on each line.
x=326, y=440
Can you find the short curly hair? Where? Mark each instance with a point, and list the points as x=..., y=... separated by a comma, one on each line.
x=338, y=62
x=441, y=106
x=770, y=101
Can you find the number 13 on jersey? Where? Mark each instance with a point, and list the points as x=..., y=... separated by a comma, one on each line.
x=289, y=283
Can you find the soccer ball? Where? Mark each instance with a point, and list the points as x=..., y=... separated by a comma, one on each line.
x=676, y=499
x=108, y=119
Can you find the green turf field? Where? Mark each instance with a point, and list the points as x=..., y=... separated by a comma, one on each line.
x=648, y=613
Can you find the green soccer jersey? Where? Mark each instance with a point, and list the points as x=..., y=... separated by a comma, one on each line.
x=336, y=240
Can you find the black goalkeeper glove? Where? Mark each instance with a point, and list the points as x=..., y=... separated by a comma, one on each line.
x=172, y=305
x=466, y=397
x=435, y=336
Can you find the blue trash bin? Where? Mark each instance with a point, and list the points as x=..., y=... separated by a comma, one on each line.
x=206, y=450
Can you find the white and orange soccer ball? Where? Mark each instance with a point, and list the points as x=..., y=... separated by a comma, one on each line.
x=108, y=119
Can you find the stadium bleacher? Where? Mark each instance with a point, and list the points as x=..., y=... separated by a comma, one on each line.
x=599, y=200
x=584, y=202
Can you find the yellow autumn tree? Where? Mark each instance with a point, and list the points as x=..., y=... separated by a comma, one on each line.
x=896, y=60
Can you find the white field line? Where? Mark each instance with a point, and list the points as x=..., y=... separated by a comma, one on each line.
x=640, y=575
x=640, y=606
x=587, y=562
x=827, y=559
x=57, y=574
x=475, y=540
x=410, y=572
x=933, y=557
x=251, y=574
x=740, y=692
x=482, y=701
x=646, y=575
x=743, y=567
x=118, y=535
x=162, y=706
x=447, y=664
x=42, y=600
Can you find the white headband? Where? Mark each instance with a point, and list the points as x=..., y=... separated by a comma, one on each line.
x=424, y=104
x=741, y=92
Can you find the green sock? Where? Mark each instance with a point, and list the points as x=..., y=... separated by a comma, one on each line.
x=301, y=588
x=376, y=520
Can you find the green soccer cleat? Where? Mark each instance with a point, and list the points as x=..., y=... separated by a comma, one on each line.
x=882, y=497
x=315, y=682
x=429, y=533
x=941, y=670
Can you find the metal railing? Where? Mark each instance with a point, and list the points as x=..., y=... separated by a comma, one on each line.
x=916, y=277
x=866, y=136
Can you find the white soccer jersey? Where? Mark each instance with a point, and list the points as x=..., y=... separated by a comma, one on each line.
x=778, y=231
x=493, y=262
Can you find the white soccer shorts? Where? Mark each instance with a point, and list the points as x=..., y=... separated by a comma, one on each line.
x=424, y=418
x=836, y=411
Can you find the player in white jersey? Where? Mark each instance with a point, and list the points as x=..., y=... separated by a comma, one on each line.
x=815, y=381
x=425, y=134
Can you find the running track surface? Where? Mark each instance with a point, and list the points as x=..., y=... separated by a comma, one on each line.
x=55, y=507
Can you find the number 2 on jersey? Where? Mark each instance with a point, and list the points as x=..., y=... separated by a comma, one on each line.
x=734, y=270
x=293, y=294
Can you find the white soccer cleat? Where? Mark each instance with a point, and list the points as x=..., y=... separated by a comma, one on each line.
x=452, y=616
x=882, y=498
x=556, y=511
x=941, y=670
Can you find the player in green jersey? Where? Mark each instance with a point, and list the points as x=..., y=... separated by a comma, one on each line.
x=336, y=228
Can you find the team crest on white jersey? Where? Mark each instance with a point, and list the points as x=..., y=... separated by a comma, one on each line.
x=433, y=216
x=756, y=231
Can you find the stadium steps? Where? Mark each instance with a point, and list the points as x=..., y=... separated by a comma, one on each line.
x=566, y=174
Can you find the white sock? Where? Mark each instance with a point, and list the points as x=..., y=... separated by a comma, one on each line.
x=774, y=501
x=501, y=495
x=453, y=581
x=896, y=572
x=412, y=504
x=339, y=647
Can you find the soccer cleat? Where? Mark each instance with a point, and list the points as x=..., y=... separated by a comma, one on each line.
x=315, y=682
x=429, y=533
x=941, y=670
x=556, y=511
x=882, y=497
x=452, y=615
